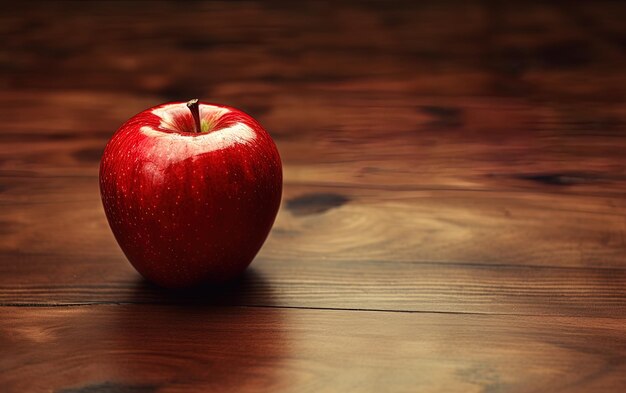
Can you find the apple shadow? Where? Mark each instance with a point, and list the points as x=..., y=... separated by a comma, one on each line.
x=206, y=338
x=249, y=289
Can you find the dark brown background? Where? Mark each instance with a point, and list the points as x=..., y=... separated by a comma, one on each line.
x=454, y=215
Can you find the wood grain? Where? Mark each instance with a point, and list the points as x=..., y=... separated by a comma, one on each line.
x=184, y=349
x=345, y=139
x=454, y=214
x=450, y=253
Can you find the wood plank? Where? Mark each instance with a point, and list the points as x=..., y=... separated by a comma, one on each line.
x=183, y=349
x=64, y=217
x=463, y=252
x=384, y=286
x=544, y=51
x=345, y=139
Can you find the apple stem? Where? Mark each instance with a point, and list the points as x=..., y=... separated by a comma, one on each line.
x=195, y=112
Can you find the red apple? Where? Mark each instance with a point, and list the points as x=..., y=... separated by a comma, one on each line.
x=191, y=191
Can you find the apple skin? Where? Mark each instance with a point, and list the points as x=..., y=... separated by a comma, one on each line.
x=190, y=208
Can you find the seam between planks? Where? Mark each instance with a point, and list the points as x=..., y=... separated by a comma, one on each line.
x=373, y=310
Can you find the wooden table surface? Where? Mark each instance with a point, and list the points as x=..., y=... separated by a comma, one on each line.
x=454, y=208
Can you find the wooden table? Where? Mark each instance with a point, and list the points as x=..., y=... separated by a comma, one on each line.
x=454, y=209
